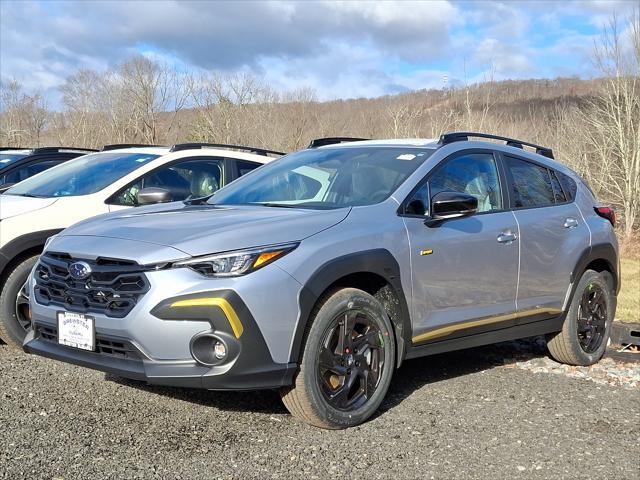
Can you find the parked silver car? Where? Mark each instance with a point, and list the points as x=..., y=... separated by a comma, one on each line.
x=319, y=273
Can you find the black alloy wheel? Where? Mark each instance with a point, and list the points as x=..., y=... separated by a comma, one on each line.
x=592, y=318
x=350, y=360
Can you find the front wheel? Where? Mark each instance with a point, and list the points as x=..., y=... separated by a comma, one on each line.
x=15, y=317
x=347, y=362
x=586, y=329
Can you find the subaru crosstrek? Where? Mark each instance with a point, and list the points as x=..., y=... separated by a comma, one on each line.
x=319, y=273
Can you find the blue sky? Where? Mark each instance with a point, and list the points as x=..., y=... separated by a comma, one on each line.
x=340, y=49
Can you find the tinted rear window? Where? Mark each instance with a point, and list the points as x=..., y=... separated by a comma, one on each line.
x=531, y=184
x=568, y=185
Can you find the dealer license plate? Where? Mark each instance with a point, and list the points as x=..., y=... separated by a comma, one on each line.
x=76, y=330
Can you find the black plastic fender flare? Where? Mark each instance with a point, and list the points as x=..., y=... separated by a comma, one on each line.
x=377, y=261
x=21, y=244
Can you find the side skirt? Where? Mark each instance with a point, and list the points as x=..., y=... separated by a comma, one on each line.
x=487, y=338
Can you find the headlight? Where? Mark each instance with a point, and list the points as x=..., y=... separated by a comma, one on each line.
x=241, y=262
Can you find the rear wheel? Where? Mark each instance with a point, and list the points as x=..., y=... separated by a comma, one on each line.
x=15, y=316
x=586, y=329
x=347, y=362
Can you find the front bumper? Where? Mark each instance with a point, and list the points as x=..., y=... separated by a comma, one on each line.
x=176, y=374
x=155, y=342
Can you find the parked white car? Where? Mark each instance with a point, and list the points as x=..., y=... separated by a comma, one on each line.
x=102, y=182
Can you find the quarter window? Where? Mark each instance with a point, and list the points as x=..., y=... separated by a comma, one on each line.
x=531, y=184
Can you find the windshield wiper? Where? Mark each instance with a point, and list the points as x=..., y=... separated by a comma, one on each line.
x=276, y=205
x=30, y=195
x=197, y=201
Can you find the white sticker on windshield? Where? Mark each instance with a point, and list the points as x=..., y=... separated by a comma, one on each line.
x=406, y=156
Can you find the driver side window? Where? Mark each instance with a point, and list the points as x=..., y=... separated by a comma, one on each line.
x=192, y=178
x=472, y=173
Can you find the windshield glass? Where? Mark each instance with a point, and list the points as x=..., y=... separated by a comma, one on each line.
x=81, y=176
x=7, y=159
x=326, y=178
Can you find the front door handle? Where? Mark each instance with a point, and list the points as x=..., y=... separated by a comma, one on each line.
x=506, y=237
x=570, y=223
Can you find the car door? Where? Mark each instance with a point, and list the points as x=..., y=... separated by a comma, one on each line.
x=553, y=234
x=464, y=270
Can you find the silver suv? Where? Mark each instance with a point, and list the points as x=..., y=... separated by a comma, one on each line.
x=319, y=273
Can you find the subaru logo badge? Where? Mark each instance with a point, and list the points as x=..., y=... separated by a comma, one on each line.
x=80, y=270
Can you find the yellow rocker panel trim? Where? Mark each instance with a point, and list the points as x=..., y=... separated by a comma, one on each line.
x=449, y=329
x=222, y=304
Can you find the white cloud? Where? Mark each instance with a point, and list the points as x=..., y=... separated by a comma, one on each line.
x=340, y=48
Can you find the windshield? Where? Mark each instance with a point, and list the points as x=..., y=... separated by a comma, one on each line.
x=7, y=159
x=326, y=178
x=81, y=176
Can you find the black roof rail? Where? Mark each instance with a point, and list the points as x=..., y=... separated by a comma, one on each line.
x=15, y=148
x=451, y=137
x=117, y=146
x=258, y=151
x=61, y=149
x=321, y=142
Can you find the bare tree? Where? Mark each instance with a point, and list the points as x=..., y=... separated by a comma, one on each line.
x=149, y=88
x=613, y=119
x=23, y=118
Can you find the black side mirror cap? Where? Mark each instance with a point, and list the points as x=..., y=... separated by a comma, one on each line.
x=151, y=195
x=450, y=205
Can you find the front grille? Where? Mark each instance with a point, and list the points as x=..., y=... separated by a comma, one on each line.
x=104, y=345
x=113, y=288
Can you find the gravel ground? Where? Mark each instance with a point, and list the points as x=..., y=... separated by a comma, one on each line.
x=474, y=414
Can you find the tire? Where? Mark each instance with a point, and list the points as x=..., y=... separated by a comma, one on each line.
x=568, y=345
x=354, y=399
x=11, y=330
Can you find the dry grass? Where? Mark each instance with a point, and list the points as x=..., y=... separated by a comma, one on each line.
x=629, y=296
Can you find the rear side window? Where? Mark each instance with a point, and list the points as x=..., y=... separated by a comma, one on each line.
x=531, y=184
x=246, y=167
x=568, y=185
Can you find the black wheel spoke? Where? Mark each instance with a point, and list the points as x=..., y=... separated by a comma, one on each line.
x=369, y=339
x=332, y=362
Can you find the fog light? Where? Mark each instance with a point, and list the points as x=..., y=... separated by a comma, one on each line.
x=219, y=350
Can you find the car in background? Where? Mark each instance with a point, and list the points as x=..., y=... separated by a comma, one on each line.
x=18, y=164
x=113, y=179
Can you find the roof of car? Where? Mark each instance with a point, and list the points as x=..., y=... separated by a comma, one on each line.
x=203, y=152
x=16, y=150
x=390, y=142
x=149, y=150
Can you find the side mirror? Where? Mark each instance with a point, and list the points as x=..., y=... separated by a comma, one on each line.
x=448, y=205
x=151, y=195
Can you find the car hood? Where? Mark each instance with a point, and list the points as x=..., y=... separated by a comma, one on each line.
x=204, y=229
x=13, y=205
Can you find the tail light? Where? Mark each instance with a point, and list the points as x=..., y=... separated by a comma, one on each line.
x=607, y=213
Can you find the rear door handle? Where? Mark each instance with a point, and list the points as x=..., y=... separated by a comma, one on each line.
x=506, y=237
x=570, y=223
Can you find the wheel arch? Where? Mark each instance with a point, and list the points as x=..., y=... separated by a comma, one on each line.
x=376, y=272
x=600, y=257
x=21, y=248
